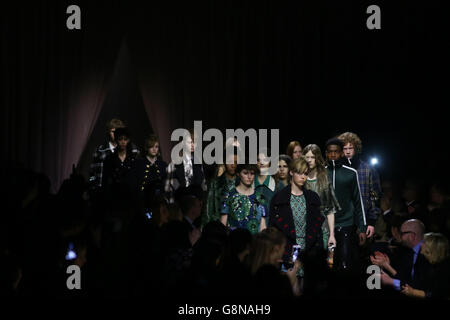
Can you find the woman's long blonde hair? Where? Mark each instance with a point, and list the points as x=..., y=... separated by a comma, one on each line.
x=436, y=247
x=263, y=244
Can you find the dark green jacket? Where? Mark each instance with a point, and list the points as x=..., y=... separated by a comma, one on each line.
x=218, y=188
x=345, y=183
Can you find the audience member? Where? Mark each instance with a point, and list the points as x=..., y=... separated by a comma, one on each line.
x=265, y=261
x=438, y=219
x=236, y=276
x=412, y=267
x=413, y=197
x=435, y=248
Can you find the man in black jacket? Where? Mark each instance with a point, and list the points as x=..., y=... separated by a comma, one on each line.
x=102, y=152
x=368, y=178
x=411, y=267
x=351, y=216
x=120, y=166
x=185, y=174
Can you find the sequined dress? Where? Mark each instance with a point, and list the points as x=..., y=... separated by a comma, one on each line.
x=244, y=211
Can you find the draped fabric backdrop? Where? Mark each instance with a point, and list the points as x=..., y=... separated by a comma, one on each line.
x=54, y=83
x=311, y=69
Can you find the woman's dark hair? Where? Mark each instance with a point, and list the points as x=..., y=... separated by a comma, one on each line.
x=288, y=160
x=334, y=142
x=122, y=132
x=285, y=158
x=247, y=166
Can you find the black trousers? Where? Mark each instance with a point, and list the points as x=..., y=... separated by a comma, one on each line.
x=346, y=254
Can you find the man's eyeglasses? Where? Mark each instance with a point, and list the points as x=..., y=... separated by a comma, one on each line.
x=405, y=232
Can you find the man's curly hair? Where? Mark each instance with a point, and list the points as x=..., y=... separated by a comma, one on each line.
x=350, y=137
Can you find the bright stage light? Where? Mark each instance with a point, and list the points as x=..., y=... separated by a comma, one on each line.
x=374, y=161
x=71, y=255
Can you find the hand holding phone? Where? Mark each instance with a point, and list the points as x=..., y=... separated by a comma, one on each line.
x=293, y=258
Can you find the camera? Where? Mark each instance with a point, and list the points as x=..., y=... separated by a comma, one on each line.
x=295, y=252
x=330, y=256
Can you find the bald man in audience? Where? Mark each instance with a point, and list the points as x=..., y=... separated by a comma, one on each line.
x=412, y=266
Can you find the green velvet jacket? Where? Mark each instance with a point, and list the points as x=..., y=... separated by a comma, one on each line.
x=218, y=188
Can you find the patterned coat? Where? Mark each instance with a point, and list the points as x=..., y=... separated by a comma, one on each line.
x=281, y=217
x=370, y=188
x=98, y=158
x=176, y=179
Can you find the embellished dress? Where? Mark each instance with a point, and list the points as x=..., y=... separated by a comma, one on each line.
x=244, y=211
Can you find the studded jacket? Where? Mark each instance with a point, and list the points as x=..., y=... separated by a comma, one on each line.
x=151, y=176
x=281, y=217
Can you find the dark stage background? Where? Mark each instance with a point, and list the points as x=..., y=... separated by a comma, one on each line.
x=310, y=68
